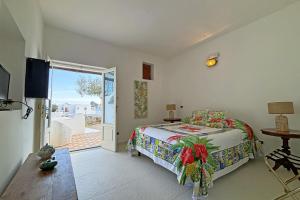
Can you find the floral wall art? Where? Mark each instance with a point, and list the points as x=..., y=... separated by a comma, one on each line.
x=140, y=99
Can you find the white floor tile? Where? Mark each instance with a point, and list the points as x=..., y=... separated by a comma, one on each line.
x=104, y=175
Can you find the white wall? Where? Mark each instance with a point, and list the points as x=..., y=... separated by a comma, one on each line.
x=11, y=135
x=27, y=14
x=17, y=136
x=12, y=59
x=67, y=46
x=259, y=63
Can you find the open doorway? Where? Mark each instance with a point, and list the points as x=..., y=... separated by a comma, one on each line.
x=81, y=111
x=76, y=110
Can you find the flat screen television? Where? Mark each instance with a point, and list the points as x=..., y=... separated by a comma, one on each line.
x=4, y=83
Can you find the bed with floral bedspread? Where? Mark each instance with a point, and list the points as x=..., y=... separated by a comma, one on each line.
x=235, y=142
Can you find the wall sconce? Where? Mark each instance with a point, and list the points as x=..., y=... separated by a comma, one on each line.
x=212, y=60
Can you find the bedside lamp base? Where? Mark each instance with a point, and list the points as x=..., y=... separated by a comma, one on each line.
x=171, y=114
x=281, y=122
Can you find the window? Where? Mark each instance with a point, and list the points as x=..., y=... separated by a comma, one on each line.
x=147, y=71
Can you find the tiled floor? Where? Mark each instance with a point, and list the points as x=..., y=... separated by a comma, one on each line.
x=84, y=141
x=104, y=175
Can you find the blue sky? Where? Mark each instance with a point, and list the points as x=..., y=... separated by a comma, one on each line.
x=64, y=87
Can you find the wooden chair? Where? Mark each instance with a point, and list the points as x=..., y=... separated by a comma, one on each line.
x=288, y=191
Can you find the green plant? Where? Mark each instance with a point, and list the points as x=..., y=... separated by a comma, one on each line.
x=89, y=86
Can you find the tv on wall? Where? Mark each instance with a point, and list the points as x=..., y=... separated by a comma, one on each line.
x=4, y=83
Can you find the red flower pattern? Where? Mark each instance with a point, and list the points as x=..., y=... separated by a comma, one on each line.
x=229, y=123
x=201, y=152
x=143, y=128
x=174, y=137
x=198, y=118
x=249, y=130
x=187, y=156
x=132, y=135
x=232, y=123
x=190, y=128
x=215, y=120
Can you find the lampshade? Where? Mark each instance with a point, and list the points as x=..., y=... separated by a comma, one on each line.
x=281, y=108
x=171, y=107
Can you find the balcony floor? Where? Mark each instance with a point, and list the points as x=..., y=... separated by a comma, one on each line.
x=84, y=141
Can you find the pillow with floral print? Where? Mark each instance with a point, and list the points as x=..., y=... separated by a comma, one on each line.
x=215, y=119
x=199, y=117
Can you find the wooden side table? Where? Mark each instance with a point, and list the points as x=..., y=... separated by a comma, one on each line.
x=172, y=120
x=32, y=183
x=283, y=157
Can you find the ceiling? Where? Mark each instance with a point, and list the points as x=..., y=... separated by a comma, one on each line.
x=158, y=27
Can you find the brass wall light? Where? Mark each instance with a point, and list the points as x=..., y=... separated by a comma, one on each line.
x=212, y=60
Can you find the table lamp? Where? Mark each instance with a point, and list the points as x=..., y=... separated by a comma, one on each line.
x=171, y=108
x=280, y=108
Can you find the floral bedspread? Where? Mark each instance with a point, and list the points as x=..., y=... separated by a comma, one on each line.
x=235, y=141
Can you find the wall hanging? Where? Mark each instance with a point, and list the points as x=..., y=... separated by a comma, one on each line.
x=140, y=99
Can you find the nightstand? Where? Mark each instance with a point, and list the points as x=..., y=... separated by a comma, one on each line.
x=172, y=120
x=283, y=157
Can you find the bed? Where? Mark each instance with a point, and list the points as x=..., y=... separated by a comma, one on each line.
x=235, y=142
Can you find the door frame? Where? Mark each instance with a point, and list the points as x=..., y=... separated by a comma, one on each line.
x=83, y=68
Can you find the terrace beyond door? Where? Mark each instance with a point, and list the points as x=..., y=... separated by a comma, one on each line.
x=76, y=110
x=109, y=140
x=82, y=100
